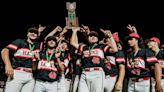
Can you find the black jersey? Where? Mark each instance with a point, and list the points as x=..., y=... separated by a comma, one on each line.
x=160, y=57
x=47, y=72
x=139, y=64
x=93, y=57
x=112, y=62
x=20, y=52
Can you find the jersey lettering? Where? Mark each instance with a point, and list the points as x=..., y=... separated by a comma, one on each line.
x=42, y=65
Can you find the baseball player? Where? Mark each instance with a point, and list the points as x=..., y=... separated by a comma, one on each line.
x=65, y=82
x=114, y=68
x=77, y=70
x=19, y=67
x=140, y=62
x=153, y=44
x=49, y=67
x=92, y=77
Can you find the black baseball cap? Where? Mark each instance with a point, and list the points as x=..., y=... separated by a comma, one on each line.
x=33, y=29
x=93, y=33
x=51, y=38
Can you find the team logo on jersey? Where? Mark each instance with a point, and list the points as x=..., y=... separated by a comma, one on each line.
x=96, y=60
x=52, y=75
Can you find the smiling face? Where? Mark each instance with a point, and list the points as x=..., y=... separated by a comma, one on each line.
x=151, y=44
x=51, y=43
x=32, y=34
x=64, y=46
x=92, y=39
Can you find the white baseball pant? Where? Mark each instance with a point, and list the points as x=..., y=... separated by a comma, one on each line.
x=22, y=82
x=92, y=81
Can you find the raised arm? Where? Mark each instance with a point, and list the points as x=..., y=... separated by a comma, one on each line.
x=132, y=29
x=57, y=29
x=41, y=29
x=74, y=38
x=111, y=40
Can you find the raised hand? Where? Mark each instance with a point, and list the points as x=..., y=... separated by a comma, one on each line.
x=132, y=28
x=58, y=28
x=41, y=28
x=86, y=28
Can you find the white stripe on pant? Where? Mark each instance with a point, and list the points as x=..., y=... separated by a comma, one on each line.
x=92, y=81
x=21, y=82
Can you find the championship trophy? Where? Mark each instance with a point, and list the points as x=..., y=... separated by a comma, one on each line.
x=71, y=20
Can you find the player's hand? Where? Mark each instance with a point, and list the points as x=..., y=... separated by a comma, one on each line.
x=58, y=52
x=9, y=71
x=118, y=86
x=86, y=28
x=108, y=33
x=132, y=29
x=58, y=28
x=41, y=28
x=158, y=88
x=36, y=55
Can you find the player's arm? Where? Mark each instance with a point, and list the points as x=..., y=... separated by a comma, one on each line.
x=119, y=83
x=113, y=46
x=120, y=60
x=158, y=72
x=61, y=65
x=74, y=38
x=8, y=67
x=57, y=29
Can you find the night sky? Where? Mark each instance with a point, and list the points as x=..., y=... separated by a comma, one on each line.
x=147, y=16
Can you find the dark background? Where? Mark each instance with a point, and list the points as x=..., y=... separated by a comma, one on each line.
x=115, y=15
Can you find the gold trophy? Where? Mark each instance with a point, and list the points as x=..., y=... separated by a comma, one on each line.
x=71, y=20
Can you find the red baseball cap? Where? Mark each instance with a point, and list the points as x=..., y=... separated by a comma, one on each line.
x=155, y=39
x=116, y=37
x=133, y=35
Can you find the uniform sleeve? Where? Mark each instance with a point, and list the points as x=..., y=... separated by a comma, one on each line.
x=14, y=45
x=120, y=57
x=150, y=58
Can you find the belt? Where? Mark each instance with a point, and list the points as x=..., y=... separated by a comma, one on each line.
x=93, y=69
x=139, y=79
x=24, y=69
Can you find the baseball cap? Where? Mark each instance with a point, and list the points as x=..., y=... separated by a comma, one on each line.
x=133, y=35
x=51, y=38
x=93, y=33
x=155, y=39
x=33, y=29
